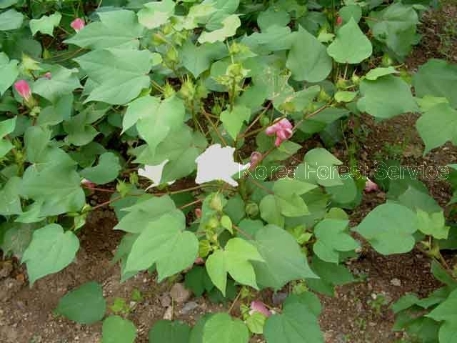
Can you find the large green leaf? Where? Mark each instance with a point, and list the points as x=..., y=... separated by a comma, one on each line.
x=115, y=28
x=221, y=328
x=106, y=171
x=331, y=238
x=229, y=26
x=62, y=82
x=165, y=243
x=155, y=119
x=145, y=211
x=308, y=59
x=10, y=203
x=296, y=323
x=389, y=228
x=118, y=330
x=386, y=97
x=45, y=24
x=167, y=331
x=236, y=259
x=84, y=305
x=57, y=188
x=9, y=72
x=287, y=195
x=319, y=167
x=446, y=312
x=350, y=44
x=233, y=120
x=6, y=127
x=437, y=78
x=396, y=27
x=50, y=251
x=117, y=75
x=283, y=259
x=155, y=13
x=438, y=125
x=197, y=59
x=11, y=20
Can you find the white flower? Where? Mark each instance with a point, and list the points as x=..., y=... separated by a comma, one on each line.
x=153, y=173
x=217, y=163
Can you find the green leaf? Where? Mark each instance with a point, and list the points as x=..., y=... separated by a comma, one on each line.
x=376, y=73
x=165, y=243
x=396, y=27
x=118, y=75
x=50, y=251
x=273, y=16
x=197, y=59
x=287, y=194
x=446, y=310
x=58, y=188
x=386, y=97
x=332, y=238
x=233, y=120
x=330, y=275
x=436, y=78
x=345, y=96
x=236, y=259
x=10, y=202
x=106, y=171
x=229, y=26
x=155, y=13
x=319, y=167
x=283, y=259
x=8, y=3
x=6, y=127
x=118, y=330
x=433, y=224
x=270, y=211
x=350, y=45
x=9, y=72
x=145, y=211
x=437, y=125
x=155, y=119
x=198, y=281
x=350, y=11
x=16, y=238
x=221, y=328
x=168, y=331
x=389, y=228
x=84, y=305
x=11, y=20
x=115, y=28
x=443, y=275
x=308, y=59
x=62, y=82
x=296, y=324
x=45, y=24
x=80, y=129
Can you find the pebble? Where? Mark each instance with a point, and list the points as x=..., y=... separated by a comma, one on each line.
x=395, y=282
x=189, y=307
x=165, y=300
x=168, y=315
x=278, y=298
x=5, y=269
x=179, y=293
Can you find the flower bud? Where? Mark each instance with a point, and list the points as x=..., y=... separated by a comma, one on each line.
x=78, y=24
x=23, y=88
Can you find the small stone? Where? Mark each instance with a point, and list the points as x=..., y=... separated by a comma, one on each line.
x=278, y=298
x=189, y=307
x=165, y=300
x=168, y=315
x=5, y=269
x=395, y=282
x=179, y=293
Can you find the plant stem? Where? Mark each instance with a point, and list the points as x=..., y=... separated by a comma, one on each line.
x=191, y=204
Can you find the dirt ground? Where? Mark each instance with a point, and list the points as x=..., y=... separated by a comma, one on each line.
x=359, y=313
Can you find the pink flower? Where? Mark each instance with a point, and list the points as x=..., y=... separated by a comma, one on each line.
x=199, y=261
x=339, y=21
x=370, y=186
x=78, y=24
x=87, y=184
x=48, y=75
x=282, y=129
x=23, y=88
x=258, y=306
x=256, y=157
x=198, y=212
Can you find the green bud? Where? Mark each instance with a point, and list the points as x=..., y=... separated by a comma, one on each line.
x=168, y=90
x=323, y=96
x=187, y=89
x=216, y=203
x=387, y=61
x=213, y=223
x=264, y=121
x=172, y=55
x=252, y=209
x=341, y=84
x=355, y=79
